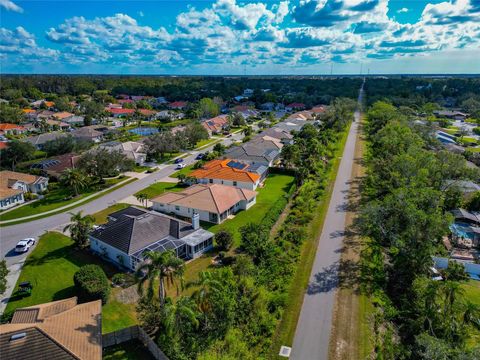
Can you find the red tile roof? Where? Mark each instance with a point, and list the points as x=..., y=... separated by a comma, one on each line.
x=296, y=106
x=218, y=169
x=8, y=126
x=177, y=104
x=121, y=111
x=147, y=112
x=215, y=124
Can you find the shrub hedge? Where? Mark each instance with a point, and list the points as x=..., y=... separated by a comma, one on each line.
x=91, y=283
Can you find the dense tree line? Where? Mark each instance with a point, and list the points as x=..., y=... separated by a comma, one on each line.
x=404, y=214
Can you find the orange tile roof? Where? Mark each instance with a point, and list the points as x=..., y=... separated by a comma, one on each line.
x=74, y=328
x=28, y=111
x=8, y=126
x=49, y=103
x=218, y=169
x=212, y=197
x=3, y=145
x=62, y=115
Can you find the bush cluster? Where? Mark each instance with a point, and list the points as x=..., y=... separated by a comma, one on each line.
x=91, y=283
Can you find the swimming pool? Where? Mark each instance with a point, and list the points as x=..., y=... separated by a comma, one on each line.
x=462, y=230
x=144, y=131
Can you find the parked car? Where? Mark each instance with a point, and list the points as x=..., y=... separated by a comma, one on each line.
x=200, y=156
x=24, y=245
x=178, y=161
x=180, y=166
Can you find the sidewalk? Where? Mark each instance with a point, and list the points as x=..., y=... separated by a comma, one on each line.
x=69, y=206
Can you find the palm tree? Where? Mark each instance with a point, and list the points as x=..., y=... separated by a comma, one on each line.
x=74, y=179
x=79, y=228
x=206, y=286
x=177, y=315
x=142, y=198
x=161, y=266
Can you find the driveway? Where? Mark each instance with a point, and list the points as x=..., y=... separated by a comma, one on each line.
x=314, y=325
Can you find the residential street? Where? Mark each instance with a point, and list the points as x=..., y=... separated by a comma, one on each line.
x=10, y=235
x=314, y=325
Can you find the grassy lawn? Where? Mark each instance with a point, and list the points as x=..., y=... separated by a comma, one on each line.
x=57, y=197
x=469, y=140
x=276, y=186
x=186, y=170
x=474, y=149
x=50, y=269
x=205, y=142
x=140, y=169
x=472, y=293
x=159, y=188
x=130, y=350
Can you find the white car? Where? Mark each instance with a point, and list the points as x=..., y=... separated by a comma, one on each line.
x=180, y=166
x=24, y=245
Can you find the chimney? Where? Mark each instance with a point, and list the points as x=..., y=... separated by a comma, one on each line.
x=196, y=221
x=175, y=228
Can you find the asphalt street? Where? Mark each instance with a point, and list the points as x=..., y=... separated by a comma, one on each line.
x=10, y=235
x=314, y=326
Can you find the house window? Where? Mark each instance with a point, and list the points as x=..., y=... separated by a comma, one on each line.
x=210, y=181
x=177, y=208
x=234, y=183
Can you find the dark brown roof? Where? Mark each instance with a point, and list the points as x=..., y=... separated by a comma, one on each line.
x=131, y=233
x=34, y=345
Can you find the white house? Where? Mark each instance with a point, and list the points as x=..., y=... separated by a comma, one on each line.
x=213, y=202
x=131, y=149
x=132, y=231
x=219, y=172
x=14, y=184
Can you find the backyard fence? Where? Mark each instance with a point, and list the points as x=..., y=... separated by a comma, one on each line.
x=133, y=333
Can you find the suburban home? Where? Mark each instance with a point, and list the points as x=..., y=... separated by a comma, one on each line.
x=318, y=109
x=216, y=125
x=285, y=137
x=291, y=125
x=213, y=202
x=39, y=140
x=57, y=124
x=467, y=187
x=295, y=106
x=219, y=172
x=466, y=228
x=118, y=112
x=131, y=232
x=178, y=105
x=62, y=115
x=11, y=129
x=450, y=114
x=14, y=184
x=258, y=150
x=132, y=150
x=305, y=115
x=56, y=165
x=88, y=133
x=60, y=329
x=148, y=114
x=74, y=120
x=465, y=216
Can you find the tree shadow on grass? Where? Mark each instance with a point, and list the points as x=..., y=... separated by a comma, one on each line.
x=65, y=293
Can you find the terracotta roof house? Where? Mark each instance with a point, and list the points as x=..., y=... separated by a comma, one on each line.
x=62, y=115
x=178, y=105
x=57, y=124
x=215, y=125
x=133, y=150
x=301, y=115
x=295, y=106
x=39, y=140
x=3, y=145
x=120, y=112
x=219, y=172
x=7, y=129
x=213, y=202
x=259, y=151
x=14, y=184
x=132, y=231
x=147, y=113
x=60, y=329
x=319, y=109
x=88, y=133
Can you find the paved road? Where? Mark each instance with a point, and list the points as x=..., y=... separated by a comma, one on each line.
x=10, y=235
x=312, y=335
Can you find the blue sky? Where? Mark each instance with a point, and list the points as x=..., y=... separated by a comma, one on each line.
x=234, y=37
